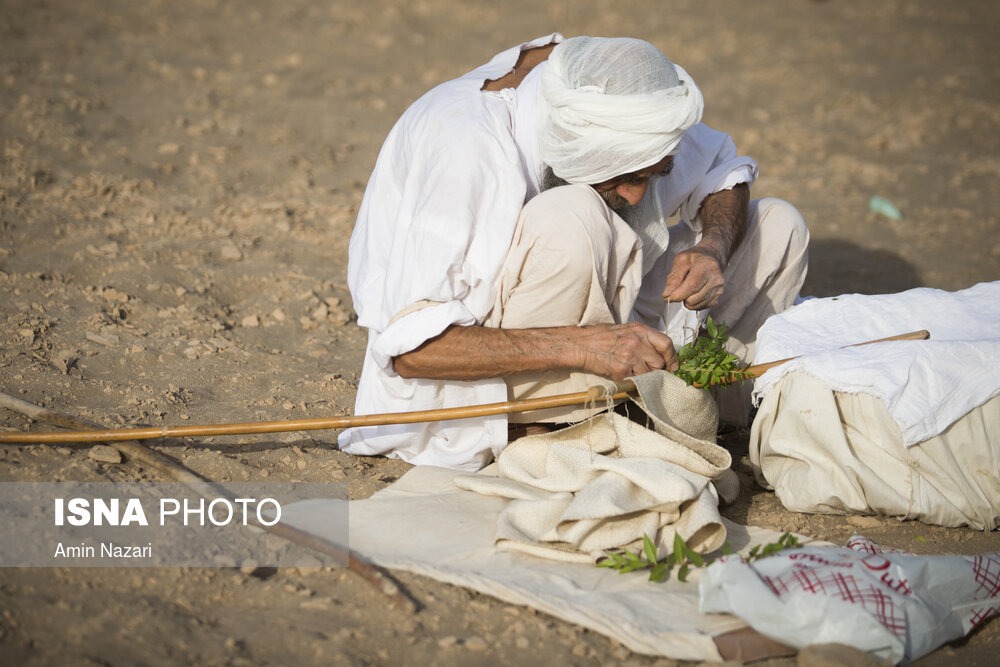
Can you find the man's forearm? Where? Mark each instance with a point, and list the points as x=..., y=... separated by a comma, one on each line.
x=475, y=352
x=724, y=221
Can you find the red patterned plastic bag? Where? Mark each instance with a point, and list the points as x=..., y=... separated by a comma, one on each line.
x=894, y=604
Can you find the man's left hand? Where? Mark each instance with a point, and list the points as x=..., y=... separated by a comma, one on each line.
x=696, y=275
x=695, y=278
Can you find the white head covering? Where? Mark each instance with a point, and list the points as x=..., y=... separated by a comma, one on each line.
x=612, y=106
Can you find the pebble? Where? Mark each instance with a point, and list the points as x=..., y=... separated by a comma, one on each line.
x=864, y=521
x=105, y=454
x=476, y=644
x=522, y=643
x=231, y=252
x=250, y=321
x=64, y=360
x=446, y=642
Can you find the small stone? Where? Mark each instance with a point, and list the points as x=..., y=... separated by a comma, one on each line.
x=321, y=313
x=105, y=454
x=251, y=321
x=447, y=642
x=522, y=643
x=580, y=650
x=64, y=360
x=476, y=644
x=864, y=521
x=169, y=148
x=229, y=251
x=278, y=315
x=106, y=339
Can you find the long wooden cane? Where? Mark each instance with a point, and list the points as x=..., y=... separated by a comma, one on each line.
x=596, y=393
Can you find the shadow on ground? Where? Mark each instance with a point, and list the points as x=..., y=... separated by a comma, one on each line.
x=841, y=267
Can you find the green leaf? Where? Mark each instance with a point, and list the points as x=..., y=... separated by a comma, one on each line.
x=649, y=549
x=727, y=549
x=695, y=557
x=659, y=572
x=683, y=572
x=713, y=331
x=679, y=547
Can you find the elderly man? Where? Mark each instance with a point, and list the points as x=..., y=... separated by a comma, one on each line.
x=513, y=242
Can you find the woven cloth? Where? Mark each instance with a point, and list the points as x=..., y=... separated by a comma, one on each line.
x=604, y=483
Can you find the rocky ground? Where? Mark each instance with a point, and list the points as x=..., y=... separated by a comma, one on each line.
x=178, y=182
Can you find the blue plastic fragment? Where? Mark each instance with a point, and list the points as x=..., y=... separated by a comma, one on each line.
x=882, y=205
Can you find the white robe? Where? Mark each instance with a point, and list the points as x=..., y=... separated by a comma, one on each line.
x=432, y=233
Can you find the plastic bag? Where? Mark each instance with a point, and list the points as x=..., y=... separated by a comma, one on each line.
x=891, y=603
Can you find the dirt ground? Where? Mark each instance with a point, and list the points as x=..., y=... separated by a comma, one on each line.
x=178, y=183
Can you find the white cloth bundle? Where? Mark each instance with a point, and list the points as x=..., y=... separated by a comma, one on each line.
x=613, y=106
x=926, y=385
x=604, y=483
x=906, y=429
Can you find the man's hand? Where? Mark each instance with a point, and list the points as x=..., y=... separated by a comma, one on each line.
x=618, y=351
x=696, y=275
x=695, y=278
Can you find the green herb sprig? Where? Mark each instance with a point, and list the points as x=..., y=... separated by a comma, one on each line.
x=684, y=557
x=705, y=361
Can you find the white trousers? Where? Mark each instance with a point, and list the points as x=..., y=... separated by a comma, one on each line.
x=574, y=262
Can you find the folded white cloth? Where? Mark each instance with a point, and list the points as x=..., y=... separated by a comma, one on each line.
x=605, y=483
x=926, y=385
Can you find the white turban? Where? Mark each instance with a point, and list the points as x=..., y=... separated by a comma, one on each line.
x=612, y=106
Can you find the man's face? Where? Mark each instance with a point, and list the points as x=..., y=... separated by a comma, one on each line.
x=627, y=190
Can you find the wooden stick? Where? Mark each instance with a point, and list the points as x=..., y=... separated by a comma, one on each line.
x=596, y=393
x=363, y=567
x=760, y=369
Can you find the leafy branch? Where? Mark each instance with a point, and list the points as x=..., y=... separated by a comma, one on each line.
x=705, y=361
x=684, y=557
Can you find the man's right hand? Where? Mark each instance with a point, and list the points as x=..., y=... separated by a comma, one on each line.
x=618, y=351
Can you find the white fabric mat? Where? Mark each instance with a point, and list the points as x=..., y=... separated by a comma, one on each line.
x=424, y=524
x=926, y=385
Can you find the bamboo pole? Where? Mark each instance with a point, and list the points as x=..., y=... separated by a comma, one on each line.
x=596, y=393
x=760, y=369
x=130, y=448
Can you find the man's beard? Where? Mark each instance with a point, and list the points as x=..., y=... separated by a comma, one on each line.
x=615, y=201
